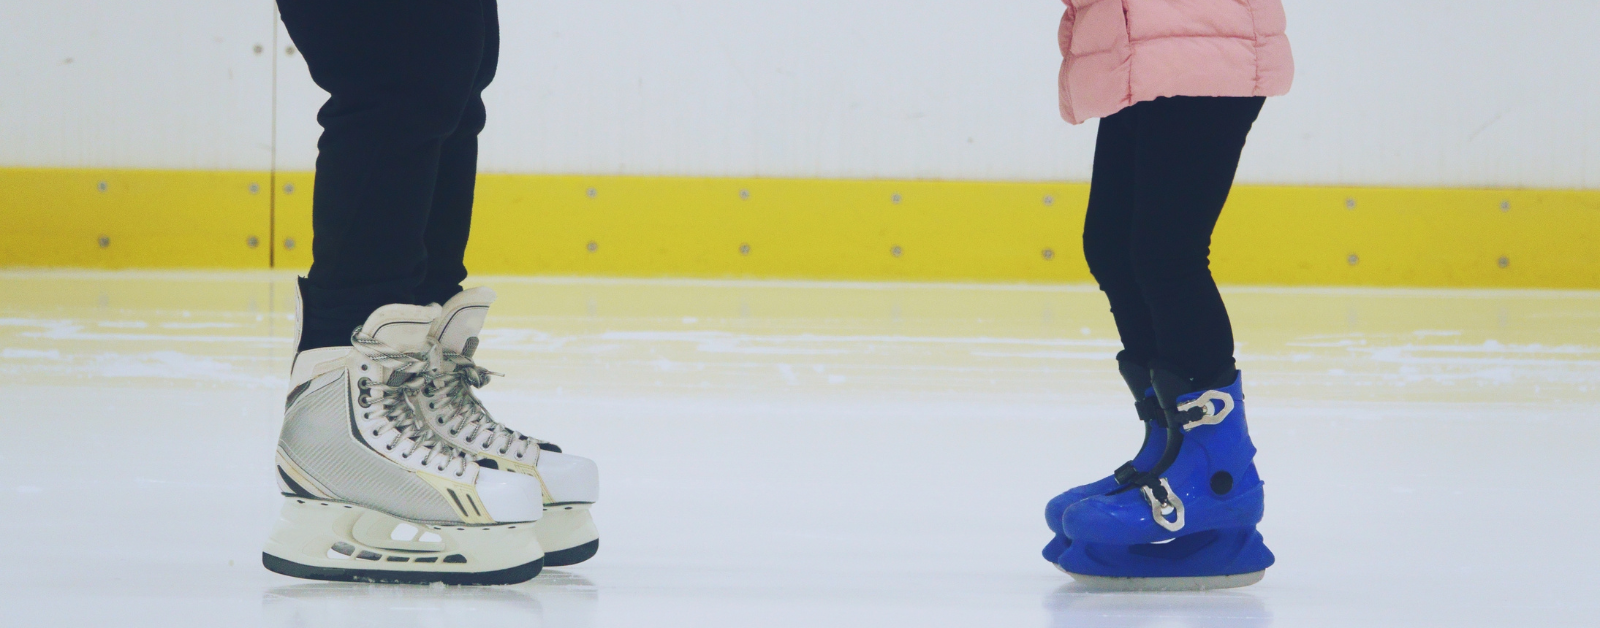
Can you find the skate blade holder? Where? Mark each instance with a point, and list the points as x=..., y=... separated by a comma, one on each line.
x=1168, y=504
x=1210, y=415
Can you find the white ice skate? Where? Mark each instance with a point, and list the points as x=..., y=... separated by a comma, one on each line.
x=571, y=483
x=371, y=494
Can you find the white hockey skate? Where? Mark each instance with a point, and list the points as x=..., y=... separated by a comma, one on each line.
x=371, y=494
x=571, y=483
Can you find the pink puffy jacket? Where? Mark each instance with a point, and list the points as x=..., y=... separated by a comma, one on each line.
x=1119, y=52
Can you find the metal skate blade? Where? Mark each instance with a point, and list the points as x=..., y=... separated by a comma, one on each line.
x=1199, y=583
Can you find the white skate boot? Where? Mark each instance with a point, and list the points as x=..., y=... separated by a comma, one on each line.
x=372, y=495
x=571, y=483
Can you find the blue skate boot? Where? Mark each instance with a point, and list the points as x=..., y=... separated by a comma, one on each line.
x=1155, y=441
x=1188, y=523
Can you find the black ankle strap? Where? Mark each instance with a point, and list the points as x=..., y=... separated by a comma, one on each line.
x=1149, y=410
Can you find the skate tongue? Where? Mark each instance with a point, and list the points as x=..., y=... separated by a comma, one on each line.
x=404, y=327
x=462, y=319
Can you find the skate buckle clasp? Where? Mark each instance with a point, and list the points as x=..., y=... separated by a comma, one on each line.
x=1211, y=415
x=1167, y=500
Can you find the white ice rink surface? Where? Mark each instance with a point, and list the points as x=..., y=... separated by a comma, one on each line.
x=795, y=454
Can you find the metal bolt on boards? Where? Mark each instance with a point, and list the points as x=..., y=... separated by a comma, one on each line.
x=744, y=249
x=257, y=49
x=895, y=199
x=895, y=250
x=1504, y=261
x=591, y=192
x=104, y=242
x=592, y=246
x=1048, y=254
x=288, y=243
x=289, y=51
x=1349, y=203
x=255, y=188
x=101, y=186
x=744, y=195
x=1049, y=200
x=1505, y=206
x=288, y=188
x=1353, y=259
x=252, y=242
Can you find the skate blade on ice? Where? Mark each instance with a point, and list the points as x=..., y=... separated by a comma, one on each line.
x=329, y=540
x=1188, y=583
x=568, y=534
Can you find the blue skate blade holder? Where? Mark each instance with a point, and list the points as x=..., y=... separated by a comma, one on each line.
x=1225, y=552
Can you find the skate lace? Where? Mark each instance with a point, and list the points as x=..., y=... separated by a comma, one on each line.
x=393, y=398
x=453, y=382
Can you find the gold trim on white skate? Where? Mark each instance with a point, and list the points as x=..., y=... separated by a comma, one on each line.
x=300, y=477
x=463, y=497
x=525, y=469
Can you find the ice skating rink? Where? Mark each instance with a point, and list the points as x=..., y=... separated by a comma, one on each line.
x=819, y=454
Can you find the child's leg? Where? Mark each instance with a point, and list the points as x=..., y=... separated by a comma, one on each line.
x=1108, y=235
x=400, y=73
x=451, y=218
x=1187, y=153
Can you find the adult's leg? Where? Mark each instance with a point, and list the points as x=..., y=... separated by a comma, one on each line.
x=451, y=218
x=399, y=74
x=1187, y=154
x=1108, y=232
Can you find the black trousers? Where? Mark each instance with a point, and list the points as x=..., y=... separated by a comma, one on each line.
x=398, y=155
x=1162, y=171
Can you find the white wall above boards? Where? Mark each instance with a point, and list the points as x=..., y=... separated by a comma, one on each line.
x=183, y=84
x=957, y=89
x=1390, y=92
x=299, y=98
x=1426, y=93
x=1459, y=93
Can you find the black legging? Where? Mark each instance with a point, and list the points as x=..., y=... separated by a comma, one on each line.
x=1162, y=171
x=399, y=151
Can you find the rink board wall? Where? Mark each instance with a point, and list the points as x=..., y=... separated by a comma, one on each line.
x=1429, y=119
x=814, y=228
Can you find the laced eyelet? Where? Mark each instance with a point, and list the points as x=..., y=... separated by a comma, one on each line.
x=363, y=367
x=388, y=447
x=375, y=432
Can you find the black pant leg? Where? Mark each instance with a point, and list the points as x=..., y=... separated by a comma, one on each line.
x=450, y=220
x=399, y=74
x=1108, y=233
x=1188, y=152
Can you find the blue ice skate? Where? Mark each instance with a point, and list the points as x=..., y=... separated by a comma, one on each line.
x=1190, y=522
x=1155, y=440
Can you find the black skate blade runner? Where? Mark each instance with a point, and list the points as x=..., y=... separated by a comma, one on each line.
x=512, y=575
